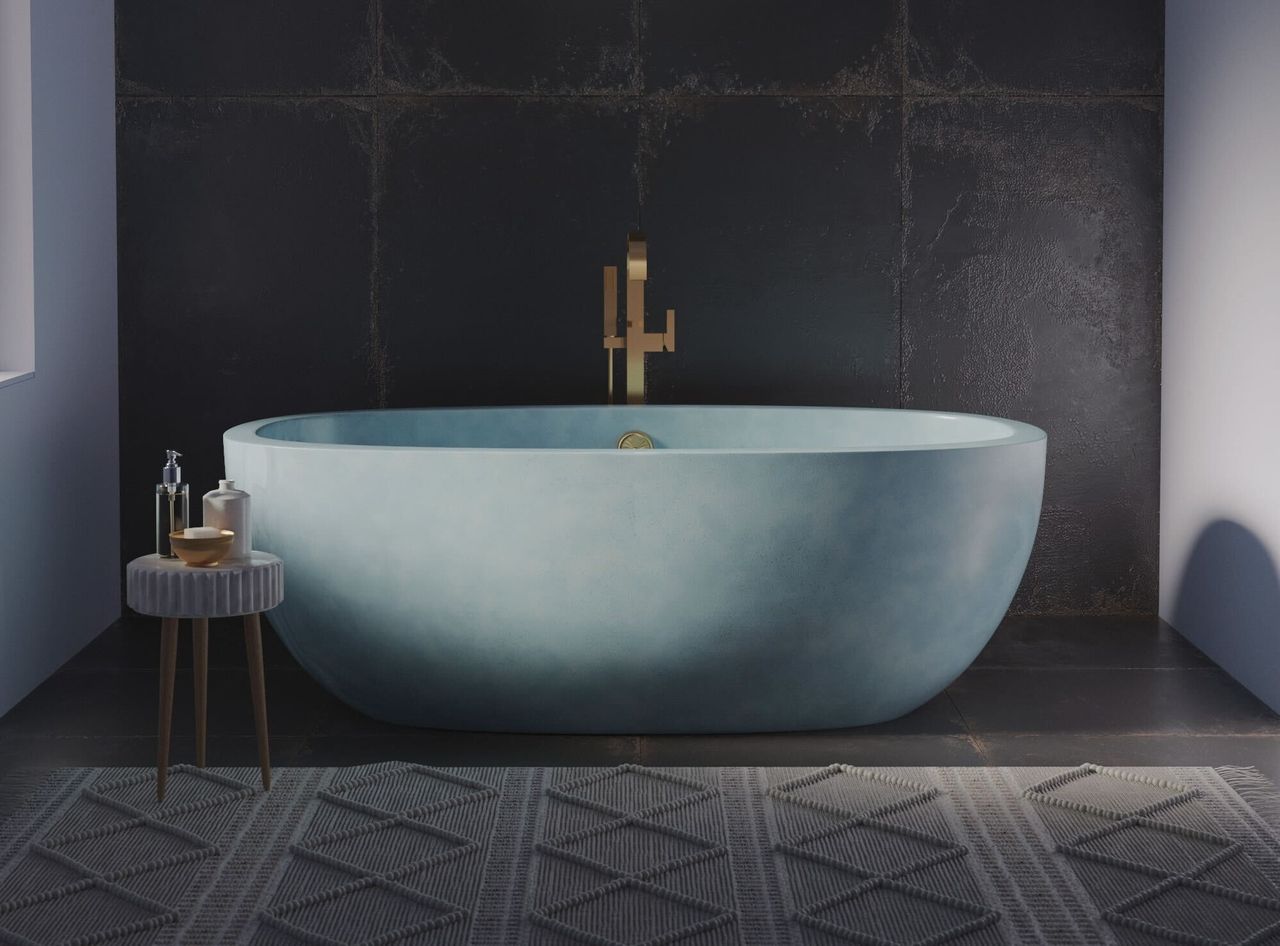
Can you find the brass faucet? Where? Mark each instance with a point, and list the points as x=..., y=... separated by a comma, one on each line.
x=637, y=341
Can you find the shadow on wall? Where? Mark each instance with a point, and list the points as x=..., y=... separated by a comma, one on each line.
x=1228, y=605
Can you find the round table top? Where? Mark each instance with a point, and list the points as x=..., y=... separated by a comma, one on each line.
x=170, y=588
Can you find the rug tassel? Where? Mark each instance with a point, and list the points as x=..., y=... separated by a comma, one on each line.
x=1258, y=791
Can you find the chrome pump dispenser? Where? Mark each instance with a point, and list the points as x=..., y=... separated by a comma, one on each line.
x=173, y=500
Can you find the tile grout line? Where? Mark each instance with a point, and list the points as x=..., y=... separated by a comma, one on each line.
x=904, y=177
x=659, y=96
x=1122, y=735
x=377, y=348
x=1107, y=668
x=637, y=67
x=378, y=77
x=980, y=746
x=640, y=173
x=959, y=712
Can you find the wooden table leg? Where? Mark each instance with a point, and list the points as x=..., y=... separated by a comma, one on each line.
x=258, y=686
x=200, y=671
x=168, y=667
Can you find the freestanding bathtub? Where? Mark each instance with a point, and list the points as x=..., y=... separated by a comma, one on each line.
x=762, y=568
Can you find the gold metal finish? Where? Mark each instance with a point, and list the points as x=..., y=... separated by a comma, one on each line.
x=611, y=340
x=201, y=553
x=637, y=341
x=635, y=440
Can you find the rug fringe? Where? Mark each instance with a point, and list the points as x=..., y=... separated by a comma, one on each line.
x=1258, y=791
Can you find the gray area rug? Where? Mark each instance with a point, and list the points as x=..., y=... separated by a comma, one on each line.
x=406, y=854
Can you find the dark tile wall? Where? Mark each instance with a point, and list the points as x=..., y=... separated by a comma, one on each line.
x=949, y=204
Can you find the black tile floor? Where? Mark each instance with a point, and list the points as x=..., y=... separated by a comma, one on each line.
x=1055, y=691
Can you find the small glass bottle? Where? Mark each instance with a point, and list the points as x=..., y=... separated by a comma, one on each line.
x=173, y=499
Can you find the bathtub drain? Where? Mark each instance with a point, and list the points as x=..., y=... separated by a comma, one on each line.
x=635, y=440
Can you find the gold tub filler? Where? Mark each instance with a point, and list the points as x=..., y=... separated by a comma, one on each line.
x=637, y=342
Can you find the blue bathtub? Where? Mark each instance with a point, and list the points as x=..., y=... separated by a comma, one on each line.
x=763, y=568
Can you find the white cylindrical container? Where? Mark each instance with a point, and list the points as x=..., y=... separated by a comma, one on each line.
x=228, y=508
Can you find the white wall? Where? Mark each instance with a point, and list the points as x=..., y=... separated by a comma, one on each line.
x=59, y=479
x=1220, y=457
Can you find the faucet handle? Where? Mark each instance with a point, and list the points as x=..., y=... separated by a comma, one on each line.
x=637, y=257
x=669, y=336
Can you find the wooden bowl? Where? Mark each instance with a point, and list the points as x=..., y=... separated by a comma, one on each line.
x=201, y=552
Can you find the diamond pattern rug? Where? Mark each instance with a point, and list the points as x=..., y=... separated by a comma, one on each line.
x=398, y=853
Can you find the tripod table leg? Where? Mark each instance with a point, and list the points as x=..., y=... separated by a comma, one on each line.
x=168, y=667
x=257, y=684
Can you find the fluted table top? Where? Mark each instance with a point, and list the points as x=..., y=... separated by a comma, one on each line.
x=168, y=587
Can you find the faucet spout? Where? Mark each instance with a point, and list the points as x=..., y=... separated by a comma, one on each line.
x=637, y=341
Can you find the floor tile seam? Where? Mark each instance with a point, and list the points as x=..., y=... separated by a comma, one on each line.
x=1204, y=665
x=662, y=98
x=19, y=747
x=980, y=747
x=661, y=94
x=1093, y=668
x=21, y=737
x=178, y=734
x=955, y=708
x=1270, y=733
x=153, y=669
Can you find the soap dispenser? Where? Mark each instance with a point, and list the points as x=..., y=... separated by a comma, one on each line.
x=228, y=508
x=173, y=499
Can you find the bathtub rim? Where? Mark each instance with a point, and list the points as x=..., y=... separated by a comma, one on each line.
x=1020, y=432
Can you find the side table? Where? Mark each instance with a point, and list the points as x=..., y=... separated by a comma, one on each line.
x=171, y=590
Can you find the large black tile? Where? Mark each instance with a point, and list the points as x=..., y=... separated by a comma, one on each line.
x=1032, y=288
x=774, y=233
x=296, y=704
x=335, y=720
x=850, y=746
x=939, y=716
x=125, y=703
x=284, y=46
x=1259, y=751
x=244, y=270
x=497, y=216
x=440, y=747
x=133, y=643
x=113, y=704
x=720, y=46
x=47, y=752
x=543, y=46
x=1106, y=641
x=1203, y=700
x=1002, y=46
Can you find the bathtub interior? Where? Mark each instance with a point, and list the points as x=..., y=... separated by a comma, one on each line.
x=670, y=427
